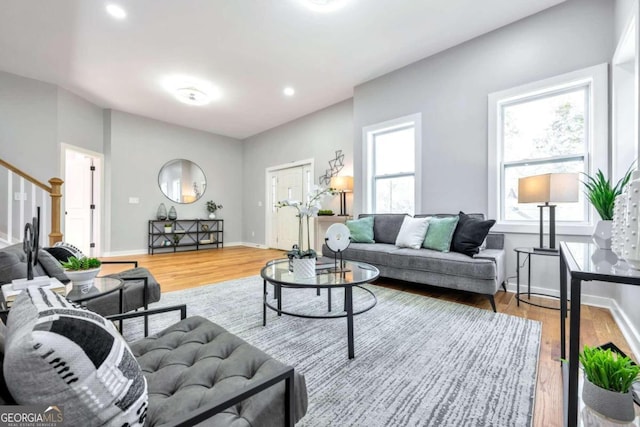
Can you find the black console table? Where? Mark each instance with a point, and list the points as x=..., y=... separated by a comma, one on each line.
x=582, y=262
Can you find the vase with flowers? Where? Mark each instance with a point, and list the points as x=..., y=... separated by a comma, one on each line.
x=306, y=210
x=212, y=207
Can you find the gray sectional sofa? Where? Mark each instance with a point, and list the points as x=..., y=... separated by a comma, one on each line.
x=483, y=273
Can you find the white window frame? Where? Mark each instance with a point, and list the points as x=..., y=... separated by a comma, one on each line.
x=368, y=134
x=596, y=155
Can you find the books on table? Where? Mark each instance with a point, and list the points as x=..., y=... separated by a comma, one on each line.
x=10, y=294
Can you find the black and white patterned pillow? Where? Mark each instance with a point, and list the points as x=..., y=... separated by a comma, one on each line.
x=59, y=354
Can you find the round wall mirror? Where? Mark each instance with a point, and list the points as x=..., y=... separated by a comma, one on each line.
x=182, y=181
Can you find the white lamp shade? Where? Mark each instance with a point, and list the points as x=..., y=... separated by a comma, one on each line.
x=342, y=183
x=549, y=187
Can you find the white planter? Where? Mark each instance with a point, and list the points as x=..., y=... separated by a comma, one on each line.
x=304, y=268
x=82, y=279
x=212, y=215
x=602, y=234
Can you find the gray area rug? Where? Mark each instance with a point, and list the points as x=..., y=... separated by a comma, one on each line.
x=419, y=361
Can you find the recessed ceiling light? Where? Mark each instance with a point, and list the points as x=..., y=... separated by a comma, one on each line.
x=116, y=11
x=324, y=5
x=192, y=91
x=289, y=91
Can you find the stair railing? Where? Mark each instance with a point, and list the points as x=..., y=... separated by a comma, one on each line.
x=23, y=194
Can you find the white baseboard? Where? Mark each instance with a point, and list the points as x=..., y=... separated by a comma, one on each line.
x=144, y=251
x=630, y=333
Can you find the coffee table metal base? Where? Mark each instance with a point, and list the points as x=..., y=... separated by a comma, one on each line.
x=348, y=308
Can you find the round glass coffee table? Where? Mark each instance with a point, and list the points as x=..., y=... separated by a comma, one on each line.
x=350, y=275
x=101, y=286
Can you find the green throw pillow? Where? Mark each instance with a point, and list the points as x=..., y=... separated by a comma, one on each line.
x=361, y=230
x=440, y=233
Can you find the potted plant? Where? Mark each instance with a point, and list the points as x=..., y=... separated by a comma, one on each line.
x=81, y=271
x=168, y=228
x=602, y=196
x=607, y=385
x=212, y=207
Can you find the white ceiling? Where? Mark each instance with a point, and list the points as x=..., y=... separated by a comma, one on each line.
x=251, y=49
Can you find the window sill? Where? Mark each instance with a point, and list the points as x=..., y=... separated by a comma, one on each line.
x=563, y=229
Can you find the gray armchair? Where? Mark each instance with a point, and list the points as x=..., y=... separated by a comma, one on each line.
x=140, y=288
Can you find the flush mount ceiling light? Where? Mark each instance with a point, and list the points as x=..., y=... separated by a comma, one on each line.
x=192, y=91
x=324, y=5
x=192, y=96
x=116, y=11
x=289, y=91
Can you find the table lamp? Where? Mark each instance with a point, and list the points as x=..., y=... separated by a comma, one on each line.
x=548, y=188
x=343, y=185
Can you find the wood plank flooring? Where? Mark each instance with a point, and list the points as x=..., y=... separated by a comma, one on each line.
x=190, y=269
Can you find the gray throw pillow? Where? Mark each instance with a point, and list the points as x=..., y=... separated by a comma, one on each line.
x=74, y=358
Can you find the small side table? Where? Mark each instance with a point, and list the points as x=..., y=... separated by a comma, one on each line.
x=529, y=253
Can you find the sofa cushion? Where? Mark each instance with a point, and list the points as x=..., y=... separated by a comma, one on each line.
x=196, y=361
x=470, y=234
x=13, y=264
x=74, y=358
x=386, y=226
x=361, y=230
x=412, y=232
x=449, y=263
x=51, y=266
x=440, y=233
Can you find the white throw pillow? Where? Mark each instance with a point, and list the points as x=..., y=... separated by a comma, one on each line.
x=412, y=232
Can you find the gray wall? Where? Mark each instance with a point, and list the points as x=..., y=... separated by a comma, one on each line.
x=79, y=122
x=315, y=136
x=450, y=91
x=28, y=125
x=135, y=150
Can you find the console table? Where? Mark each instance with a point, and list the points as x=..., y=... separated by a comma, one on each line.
x=185, y=234
x=582, y=262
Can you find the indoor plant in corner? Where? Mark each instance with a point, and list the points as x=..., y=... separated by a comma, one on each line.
x=81, y=271
x=602, y=196
x=608, y=378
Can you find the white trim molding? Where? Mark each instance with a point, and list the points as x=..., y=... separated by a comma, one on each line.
x=596, y=158
x=367, y=167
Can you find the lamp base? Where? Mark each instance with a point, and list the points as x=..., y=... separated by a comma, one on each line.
x=552, y=250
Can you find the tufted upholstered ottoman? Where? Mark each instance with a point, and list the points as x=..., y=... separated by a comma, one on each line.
x=196, y=362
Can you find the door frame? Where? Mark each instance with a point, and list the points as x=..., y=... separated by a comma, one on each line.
x=99, y=226
x=267, y=210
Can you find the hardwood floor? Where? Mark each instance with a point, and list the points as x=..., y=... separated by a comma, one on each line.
x=190, y=269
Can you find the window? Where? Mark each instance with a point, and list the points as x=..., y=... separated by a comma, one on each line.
x=392, y=153
x=555, y=125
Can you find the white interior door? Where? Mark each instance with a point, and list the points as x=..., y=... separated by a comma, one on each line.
x=82, y=177
x=288, y=186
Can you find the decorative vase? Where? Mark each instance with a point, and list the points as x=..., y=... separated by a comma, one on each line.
x=172, y=213
x=162, y=212
x=212, y=215
x=611, y=404
x=602, y=234
x=304, y=268
x=629, y=231
x=619, y=223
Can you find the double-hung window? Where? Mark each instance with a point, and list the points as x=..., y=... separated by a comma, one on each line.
x=553, y=126
x=391, y=154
